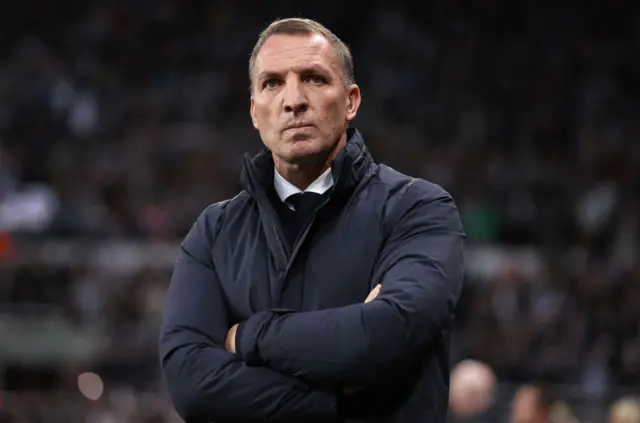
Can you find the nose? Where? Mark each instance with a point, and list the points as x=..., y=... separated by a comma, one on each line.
x=294, y=100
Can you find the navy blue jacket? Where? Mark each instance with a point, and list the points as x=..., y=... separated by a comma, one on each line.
x=305, y=332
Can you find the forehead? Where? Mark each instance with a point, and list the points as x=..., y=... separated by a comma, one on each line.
x=288, y=52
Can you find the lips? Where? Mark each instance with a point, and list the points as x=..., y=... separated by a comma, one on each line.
x=297, y=126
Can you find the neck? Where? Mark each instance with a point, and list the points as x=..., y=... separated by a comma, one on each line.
x=301, y=175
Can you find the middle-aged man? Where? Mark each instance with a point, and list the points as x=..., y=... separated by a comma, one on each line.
x=266, y=318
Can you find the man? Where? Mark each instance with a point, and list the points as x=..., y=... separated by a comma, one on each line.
x=532, y=404
x=265, y=318
x=625, y=410
x=471, y=389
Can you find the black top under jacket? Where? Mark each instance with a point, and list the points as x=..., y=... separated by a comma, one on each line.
x=305, y=333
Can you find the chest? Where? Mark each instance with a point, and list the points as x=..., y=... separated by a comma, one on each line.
x=332, y=266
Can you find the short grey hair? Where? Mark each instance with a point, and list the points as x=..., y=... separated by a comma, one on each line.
x=295, y=26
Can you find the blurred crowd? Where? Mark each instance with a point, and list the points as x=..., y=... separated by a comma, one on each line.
x=122, y=120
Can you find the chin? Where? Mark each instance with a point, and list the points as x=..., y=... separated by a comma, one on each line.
x=304, y=151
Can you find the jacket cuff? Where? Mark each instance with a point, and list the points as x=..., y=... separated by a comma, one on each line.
x=247, y=336
x=238, y=345
x=250, y=335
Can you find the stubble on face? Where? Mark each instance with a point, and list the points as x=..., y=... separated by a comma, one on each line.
x=298, y=82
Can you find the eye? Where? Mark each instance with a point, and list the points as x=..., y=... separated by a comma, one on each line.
x=316, y=79
x=270, y=83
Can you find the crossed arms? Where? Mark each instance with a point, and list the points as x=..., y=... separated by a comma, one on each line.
x=281, y=358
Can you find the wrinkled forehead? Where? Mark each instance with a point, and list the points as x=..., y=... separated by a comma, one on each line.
x=282, y=53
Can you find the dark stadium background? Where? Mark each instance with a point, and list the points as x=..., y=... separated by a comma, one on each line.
x=120, y=120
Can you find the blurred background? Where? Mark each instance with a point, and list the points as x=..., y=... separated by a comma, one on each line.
x=121, y=120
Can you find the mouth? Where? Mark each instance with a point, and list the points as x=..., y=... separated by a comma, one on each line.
x=297, y=126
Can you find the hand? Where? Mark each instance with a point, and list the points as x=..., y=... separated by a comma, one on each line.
x=230, y=342
x=373, y=294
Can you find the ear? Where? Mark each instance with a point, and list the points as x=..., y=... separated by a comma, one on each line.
x=252, y=112
x=353, y=102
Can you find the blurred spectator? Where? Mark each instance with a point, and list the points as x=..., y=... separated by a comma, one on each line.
x=532, y=404
x=625, y=410
x=472, y=387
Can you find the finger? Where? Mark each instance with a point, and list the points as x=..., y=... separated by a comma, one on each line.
x=371, y=295
x=374, y=293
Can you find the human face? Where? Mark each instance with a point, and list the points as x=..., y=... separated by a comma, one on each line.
x=525, y=407
x=299, y=102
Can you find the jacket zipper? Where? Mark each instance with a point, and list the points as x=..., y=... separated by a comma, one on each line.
x=307, y=226
x=300, y=240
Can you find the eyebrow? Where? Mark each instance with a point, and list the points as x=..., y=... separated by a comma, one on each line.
x=307, y=69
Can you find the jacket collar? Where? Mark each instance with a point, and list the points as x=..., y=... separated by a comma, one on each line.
x=286, y=189
x=348, y=169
